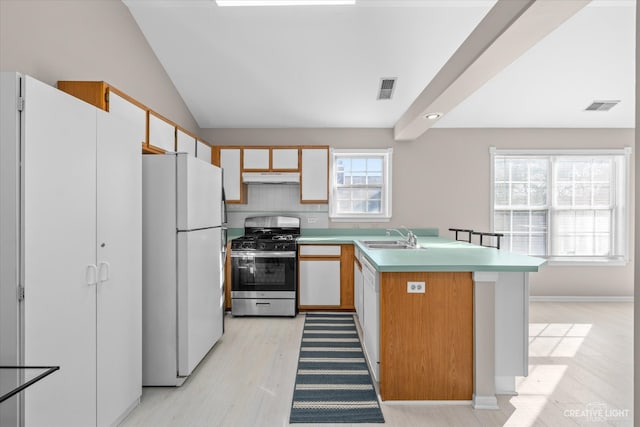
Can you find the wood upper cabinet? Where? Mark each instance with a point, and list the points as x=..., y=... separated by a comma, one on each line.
x=95, y=93
x=185, y=143
x=256, y=159
x=162, y=133
x=157, y=134
x=231, y=163
x=285, y=159
x=204, y=151
x=271, y=159
x=311, y=161
x=314, y=179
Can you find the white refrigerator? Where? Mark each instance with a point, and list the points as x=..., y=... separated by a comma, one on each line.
x=182, y=295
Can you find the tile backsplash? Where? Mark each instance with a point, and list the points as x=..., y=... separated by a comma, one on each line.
x=277, y=199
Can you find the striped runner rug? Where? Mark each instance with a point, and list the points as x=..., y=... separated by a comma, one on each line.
x=333, y=384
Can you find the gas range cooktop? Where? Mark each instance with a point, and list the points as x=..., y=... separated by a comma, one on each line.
x=268, y=233
x=273, y=242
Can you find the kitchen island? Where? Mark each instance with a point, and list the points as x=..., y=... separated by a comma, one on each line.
x=445, y=322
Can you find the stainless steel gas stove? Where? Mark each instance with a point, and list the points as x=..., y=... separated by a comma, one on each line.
x=264, y=275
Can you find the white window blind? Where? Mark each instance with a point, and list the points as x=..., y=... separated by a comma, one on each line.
x=360, y=184
x=563, y=205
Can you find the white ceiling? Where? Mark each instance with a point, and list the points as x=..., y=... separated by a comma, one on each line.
x=254, y=67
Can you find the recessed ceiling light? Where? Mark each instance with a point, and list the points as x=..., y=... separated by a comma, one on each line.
x=433, y=116
x=284, y=2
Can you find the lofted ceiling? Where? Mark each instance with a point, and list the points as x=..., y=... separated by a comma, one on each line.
x=320, y=66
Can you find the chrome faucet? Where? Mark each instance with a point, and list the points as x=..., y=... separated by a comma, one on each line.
x=411, y=238
x=389, y=230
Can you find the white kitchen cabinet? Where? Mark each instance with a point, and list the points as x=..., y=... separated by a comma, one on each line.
x=370, y=321
x=319, y=268
x=230, y=162
x=357, y=285
x=125, y=109
x=162, y=134
x=255, y=159
x=284, y=159
x=314, y=180
x=512, y=325
x=319, y=282
x=321, y=250
x=204, y=152
x=79, y=249
x=185, y=143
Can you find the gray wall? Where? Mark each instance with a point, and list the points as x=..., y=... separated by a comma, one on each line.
x=442, y=180
x=99, y=40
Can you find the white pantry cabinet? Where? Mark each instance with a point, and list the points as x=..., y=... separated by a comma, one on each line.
x=314, y=180
x=230, y=162
x=78, y=254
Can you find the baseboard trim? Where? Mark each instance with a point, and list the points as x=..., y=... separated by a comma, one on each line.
x=506, y=385
x=426, y=402
x=577, y=298
x=485, y=402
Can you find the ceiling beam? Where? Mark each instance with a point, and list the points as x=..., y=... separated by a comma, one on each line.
x=509, y=29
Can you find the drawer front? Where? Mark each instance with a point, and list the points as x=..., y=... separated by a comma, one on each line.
x=263, y=307
x=320, y=250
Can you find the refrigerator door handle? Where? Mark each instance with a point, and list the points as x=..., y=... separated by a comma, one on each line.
x=91, y=274
x=103, y=271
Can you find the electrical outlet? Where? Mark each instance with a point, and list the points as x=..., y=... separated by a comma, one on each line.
x=416, y=287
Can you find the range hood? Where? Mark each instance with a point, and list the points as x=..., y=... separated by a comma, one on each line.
x=271, y=177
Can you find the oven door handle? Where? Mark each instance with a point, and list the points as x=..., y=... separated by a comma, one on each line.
x=237, y=254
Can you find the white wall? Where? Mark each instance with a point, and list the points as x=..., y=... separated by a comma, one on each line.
x=636, y=404
x=442, y=180
x=87, y=40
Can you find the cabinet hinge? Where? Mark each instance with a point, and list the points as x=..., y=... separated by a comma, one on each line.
x=20, y=293
x=106, y=97
x=20, y=103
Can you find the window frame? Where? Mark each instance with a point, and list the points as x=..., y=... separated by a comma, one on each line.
x=386, y=196
x=622, y=227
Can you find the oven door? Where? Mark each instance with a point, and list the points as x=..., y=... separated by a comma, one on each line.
x=256, y=273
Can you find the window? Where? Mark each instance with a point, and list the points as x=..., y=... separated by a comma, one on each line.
x=360, y=185
x=565, y=205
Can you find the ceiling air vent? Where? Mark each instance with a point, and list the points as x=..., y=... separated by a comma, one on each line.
x=387, y=84
x=601, y=105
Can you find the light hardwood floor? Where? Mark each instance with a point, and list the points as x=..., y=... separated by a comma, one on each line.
x=581, y=365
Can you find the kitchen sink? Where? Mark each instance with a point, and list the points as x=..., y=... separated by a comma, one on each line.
x=386, y=244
